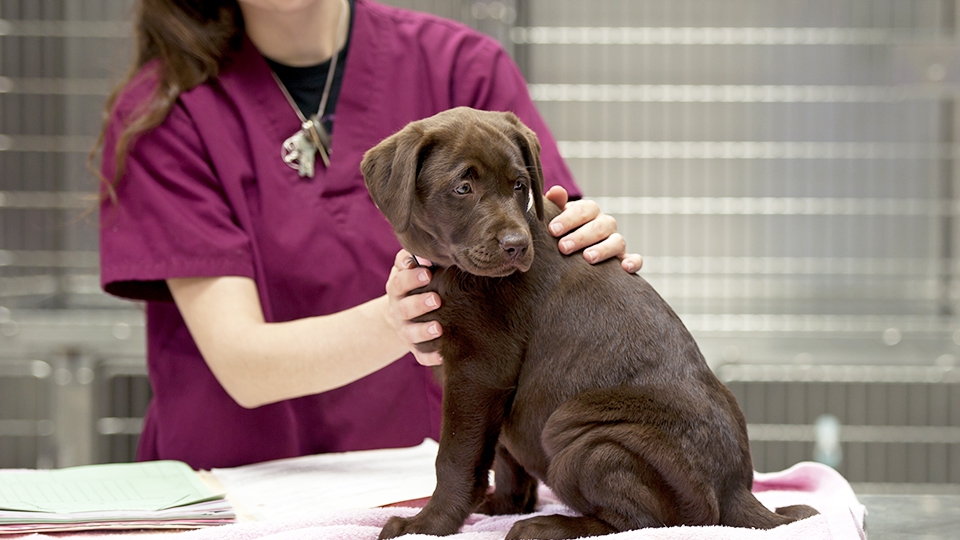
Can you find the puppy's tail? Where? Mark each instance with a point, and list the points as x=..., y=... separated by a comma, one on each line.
x=742, y=509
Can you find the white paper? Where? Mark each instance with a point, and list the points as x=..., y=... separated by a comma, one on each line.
x=302, y=486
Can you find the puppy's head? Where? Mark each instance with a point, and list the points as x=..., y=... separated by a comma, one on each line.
x=459, y=188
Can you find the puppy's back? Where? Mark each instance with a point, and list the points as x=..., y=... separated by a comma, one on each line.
x=599, y=311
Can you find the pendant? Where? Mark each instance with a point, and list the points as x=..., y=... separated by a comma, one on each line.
x=300, y=154
x=300, y=149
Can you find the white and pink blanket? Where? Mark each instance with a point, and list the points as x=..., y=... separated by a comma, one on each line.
x=841, y=518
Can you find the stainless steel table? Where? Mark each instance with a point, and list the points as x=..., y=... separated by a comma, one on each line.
x=912, y=517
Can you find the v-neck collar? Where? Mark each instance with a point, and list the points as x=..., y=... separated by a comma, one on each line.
x=248, y=77
x=362, y=94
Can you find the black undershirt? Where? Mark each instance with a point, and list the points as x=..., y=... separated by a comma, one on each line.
x=305, y=84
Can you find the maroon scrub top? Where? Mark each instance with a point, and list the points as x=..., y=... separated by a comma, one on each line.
x=207, y=194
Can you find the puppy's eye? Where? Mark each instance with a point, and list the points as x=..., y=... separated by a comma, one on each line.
x=519, y=186
x=462, y=189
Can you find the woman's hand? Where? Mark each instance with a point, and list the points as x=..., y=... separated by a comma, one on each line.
x=592, y=229
x=406, y=276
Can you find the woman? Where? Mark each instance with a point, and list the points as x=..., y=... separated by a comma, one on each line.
x=246, y=227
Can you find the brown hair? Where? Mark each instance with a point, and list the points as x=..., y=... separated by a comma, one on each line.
x=190, y=39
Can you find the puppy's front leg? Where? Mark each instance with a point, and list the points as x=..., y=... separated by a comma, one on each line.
x=472, y=416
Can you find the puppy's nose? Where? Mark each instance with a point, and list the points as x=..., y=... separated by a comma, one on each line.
x=515, y=244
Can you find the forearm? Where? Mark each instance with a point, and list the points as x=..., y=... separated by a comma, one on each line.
x=259, y=362
x=277, y=361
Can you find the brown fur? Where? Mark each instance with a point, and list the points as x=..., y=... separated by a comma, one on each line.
x=578, y=376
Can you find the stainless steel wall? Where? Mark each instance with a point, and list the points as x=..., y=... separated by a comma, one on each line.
x=57, y=61
x=786, y=167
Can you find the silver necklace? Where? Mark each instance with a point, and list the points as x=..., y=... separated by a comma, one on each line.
x=300, y=149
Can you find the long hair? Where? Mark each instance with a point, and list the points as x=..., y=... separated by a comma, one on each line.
x=190, y=40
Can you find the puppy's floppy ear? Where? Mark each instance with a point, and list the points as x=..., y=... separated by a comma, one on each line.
x=529, y=146
x=390, y=171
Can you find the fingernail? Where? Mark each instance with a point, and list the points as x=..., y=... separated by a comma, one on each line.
x=591, y=255
x=432, y=301
x=433, y=329
x=556, y=228
x=630, y=267
x=423, y=277
x=566, y=246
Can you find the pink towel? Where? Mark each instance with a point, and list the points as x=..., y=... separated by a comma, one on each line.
x=841, y=517
x=819, y=486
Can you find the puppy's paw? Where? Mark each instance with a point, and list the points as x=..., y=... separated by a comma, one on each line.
x=398, y=526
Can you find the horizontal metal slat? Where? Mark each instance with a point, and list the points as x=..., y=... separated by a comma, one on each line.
x=14, y=367
x=859, y=434
x=815, y=266
x=742, y=150
x=48, y=258
x=65, y=29
x=772, y=206
x=54, y=200
x=119, y=426
x=47, y=143
x=821, y=324
x=55, y=86
x=837, y=373
x=613, y=35
x=735, y=93
x=49, y=284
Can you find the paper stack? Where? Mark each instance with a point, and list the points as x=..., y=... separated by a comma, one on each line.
x=147, y=495
x=308, y=485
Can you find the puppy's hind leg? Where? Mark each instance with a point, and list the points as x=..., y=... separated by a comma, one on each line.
x=605, y=484
x=615, y=458
x=514, y=492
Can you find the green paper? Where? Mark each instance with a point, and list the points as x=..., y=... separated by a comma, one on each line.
x=146, y=486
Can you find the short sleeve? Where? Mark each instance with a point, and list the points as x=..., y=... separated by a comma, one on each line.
x=171, y=217
x=485, y=77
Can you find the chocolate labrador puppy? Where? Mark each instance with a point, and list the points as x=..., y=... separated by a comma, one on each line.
x=578, y=376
